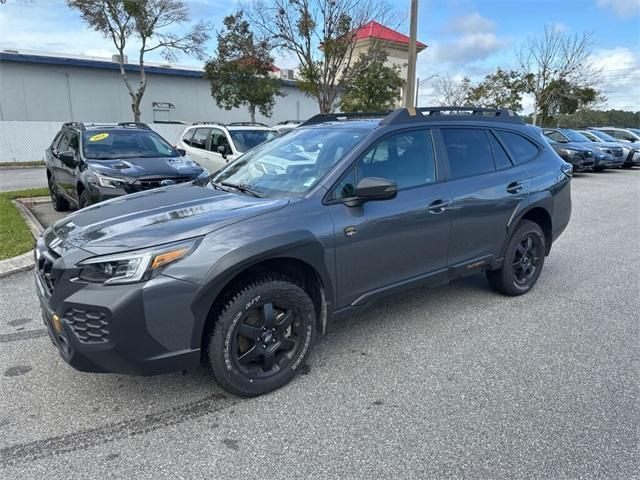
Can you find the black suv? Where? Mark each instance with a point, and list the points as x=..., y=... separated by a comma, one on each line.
x=245, y=268
x=89, y=163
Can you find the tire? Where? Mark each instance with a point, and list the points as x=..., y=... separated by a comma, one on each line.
x=84, y=199
x=59, y=203
x=598, y=169
x=514, y=278
x=262, y=336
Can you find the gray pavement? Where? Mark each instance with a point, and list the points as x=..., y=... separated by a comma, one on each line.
x=45, y=213
x=452, y=382
x=20, y=178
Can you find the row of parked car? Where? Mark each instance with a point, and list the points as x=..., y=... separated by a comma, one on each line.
x=595, y=148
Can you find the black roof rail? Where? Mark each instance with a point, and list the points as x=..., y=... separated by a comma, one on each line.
x=134, y=124
x=287, y=122
x=405, y=115
x=79, y=125
x=247, y=124
x=337, y=117
x=209, y=123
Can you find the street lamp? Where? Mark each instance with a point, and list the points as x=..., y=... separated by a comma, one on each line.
x=419, y=83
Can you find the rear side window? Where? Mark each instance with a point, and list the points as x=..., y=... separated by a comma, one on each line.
x=468, y=150
x=499, y=155
x=522, y=150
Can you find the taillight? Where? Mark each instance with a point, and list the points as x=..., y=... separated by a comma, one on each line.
x=567, y=169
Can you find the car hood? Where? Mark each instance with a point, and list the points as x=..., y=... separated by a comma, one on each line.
x=574, y=146
x=158, y=216
x=145, y=167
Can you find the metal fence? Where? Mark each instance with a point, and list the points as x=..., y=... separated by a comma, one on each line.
x=22, y=141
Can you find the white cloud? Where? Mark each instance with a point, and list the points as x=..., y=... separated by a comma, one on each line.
x=620, y=77
x=469, y=48
x=474, y=23
x=622, y=8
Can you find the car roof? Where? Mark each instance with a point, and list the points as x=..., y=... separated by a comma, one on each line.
x=229, y=127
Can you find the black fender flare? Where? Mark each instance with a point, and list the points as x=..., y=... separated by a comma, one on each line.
x=299, y=245
x=541, y=199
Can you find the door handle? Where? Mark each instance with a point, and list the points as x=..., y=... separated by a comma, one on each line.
x=438, y=206
x=514, y=187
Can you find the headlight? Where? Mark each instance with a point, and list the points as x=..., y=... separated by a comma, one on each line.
x=130, y=267
x=568, y=152
x=108, y=182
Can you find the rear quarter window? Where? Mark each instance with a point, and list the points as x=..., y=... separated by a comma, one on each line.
x=521, y=149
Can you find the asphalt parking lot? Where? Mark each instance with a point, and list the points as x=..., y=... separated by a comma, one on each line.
x=453, y=382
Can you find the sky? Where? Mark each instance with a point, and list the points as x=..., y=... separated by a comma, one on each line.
x=464, y=37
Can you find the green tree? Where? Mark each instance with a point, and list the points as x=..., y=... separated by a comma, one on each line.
x=501, y=89
x=321, y=35
x=149, y=22
x=369, y=84
x=557, y=66
x=240, y=74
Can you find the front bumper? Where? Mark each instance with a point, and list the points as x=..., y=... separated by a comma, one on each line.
x=144, y=328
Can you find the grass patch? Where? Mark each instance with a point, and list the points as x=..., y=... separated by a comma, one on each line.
x=31, y=164
x=15, y=236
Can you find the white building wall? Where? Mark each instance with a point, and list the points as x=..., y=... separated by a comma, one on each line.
x=41, y=92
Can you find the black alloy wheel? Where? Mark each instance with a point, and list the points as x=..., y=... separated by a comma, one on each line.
x=526, y=259
x=523, y=261
x=261, y=337
x=267, y=338
x=59, y=203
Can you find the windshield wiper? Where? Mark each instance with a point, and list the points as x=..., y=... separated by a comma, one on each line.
x=243, y=189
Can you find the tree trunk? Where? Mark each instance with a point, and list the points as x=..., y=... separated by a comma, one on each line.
x=135, y=106
x=252, y=113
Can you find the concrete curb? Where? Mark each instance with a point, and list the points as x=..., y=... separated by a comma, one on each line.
x=24, y=261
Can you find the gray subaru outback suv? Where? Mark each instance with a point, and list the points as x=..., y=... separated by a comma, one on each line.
x=244, y=270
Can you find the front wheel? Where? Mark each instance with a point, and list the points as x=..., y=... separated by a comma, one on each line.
x=523, y=261
x=261, y=338
x=84, y=199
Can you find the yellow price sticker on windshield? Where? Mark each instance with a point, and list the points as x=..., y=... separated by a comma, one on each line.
x=98, y=137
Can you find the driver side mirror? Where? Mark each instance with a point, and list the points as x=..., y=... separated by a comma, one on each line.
x=68, y=158
x=181, y=151
x=222, y=150
x=372, y=188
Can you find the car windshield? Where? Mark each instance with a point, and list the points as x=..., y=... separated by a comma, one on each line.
x=247, y=139
x=589, y=135
x=635, y=130
x=605, y=137
x=293, y=163
x=575, y=136
x=111, y=144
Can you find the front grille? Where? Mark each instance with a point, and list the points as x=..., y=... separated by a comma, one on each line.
x=617, y=152
x=148, y=184
x=44, y=265
x=587, y=154
x=89, y=326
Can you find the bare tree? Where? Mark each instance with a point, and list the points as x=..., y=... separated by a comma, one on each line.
x=452, y=93
x=321, y=34
x=554, y=60
x=148, y=22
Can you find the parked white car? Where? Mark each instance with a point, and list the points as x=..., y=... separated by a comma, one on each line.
x=286, y=126
x=214, y=144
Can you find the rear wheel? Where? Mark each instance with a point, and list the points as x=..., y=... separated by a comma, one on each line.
x=262, y=337
x=598, y=169
x=60, y=204
x=523, y=261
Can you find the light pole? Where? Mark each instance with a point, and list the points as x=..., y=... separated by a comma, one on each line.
x=419, y=83
x=409, y=99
